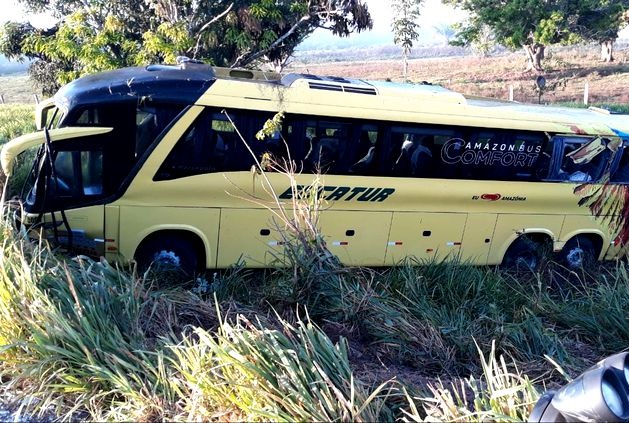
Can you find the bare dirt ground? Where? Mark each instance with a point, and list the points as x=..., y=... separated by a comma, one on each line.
x=567, y=70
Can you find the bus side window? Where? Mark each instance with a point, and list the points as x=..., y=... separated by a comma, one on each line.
x=329, y=142
x=584, y=160
x=208, y=146
x=365, y=154
x=543, y=164
x=526, y=161
x=151, y=119
x=412, y=151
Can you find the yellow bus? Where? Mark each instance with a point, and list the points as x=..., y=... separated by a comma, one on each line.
x=146, y=163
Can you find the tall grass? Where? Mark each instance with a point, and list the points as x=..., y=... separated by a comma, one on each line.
x=72, y=330
x=594, y=310
x=470, y=303
x=78, y=334
x=15, y=120
x=502, y=393
x=81, y=335
x=249, y=372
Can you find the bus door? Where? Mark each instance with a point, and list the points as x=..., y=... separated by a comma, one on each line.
x=74, y=189
x=81, y=230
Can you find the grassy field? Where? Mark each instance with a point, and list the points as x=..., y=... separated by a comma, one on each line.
x=17, y=88
x=312, y=342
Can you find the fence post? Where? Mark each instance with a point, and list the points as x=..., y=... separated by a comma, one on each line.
x=510, y=92
x=1, y=98
x=586, y=93
x=36, y=97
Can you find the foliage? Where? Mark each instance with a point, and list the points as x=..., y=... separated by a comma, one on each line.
x=251, y=372
x=95, y=35
x=501, y=394
x=405, y=26
x=535, y=23
x=602, y=21
x=81, y=335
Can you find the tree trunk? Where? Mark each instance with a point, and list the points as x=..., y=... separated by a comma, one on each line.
x=405, y=66
x=607, y=49
x=534, y=54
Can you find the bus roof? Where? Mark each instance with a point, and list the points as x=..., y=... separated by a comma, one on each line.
x=182, y=84
x=190, y=83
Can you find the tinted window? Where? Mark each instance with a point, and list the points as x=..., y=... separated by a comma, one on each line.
x=621, y=174
x=496, y=155
x=209, y=145
x=581, y=159
x=364, y=158
x=328, y=144
x=79, y=174
x=150, y=120
x=414, y=151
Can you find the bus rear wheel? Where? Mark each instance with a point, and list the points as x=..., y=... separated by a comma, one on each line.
x=169, y=253
x=578, y=253
x=523, y=255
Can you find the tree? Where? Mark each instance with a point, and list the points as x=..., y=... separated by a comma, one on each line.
x=96, y=35
x=405, y=26
x=528, y=24
x=600, y=21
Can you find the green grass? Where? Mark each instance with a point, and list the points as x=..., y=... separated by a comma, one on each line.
x=15, y=120
x=614, y=108
x=17, y=89
x=81, y=335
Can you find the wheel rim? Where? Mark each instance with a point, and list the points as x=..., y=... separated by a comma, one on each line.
x=575, y=256
x=526, y=261
x=167, y=258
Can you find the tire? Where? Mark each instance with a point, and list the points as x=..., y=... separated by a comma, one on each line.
x=169, y=253
x=523, y=255
x=578, y=253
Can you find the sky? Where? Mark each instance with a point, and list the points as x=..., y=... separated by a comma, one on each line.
x=434, y=13
x=11, y=11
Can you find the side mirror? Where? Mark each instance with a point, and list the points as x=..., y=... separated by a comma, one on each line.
x=601, y=393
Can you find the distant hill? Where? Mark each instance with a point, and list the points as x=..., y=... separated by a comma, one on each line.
x=8, y=67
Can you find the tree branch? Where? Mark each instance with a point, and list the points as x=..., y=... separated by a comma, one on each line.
x=206, y=26
x=249, y=57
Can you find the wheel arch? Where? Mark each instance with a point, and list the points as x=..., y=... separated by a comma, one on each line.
x=537, y=235
x=189, y=233
x=597, y=238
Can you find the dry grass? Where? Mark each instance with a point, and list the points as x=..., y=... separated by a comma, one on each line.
x=17, y=89
x=566, y=69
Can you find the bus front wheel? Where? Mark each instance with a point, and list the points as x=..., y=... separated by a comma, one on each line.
x=169, y=252
x=578, y=253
